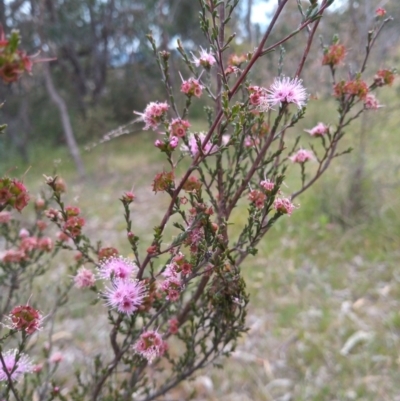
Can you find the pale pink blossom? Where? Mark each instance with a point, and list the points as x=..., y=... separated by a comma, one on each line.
x=173, y=142
x=268, y=185
x=45, y=244
x=5, y=217
x=371, y=102
x=125, y=296
x=302, y=156
x=13, y=256
x=23, y=233
x=193, y=147
x=153, y=114
x=206, y=59
x=173, y=325
x=285, y=90
x=257, y=94
x=56, y=357
x=117, y=267
x=284, y=206
x=251, y=142
x=15, y=368
x=29, y=244
x=319, y=130
x=150, y=345
x=84, y=278
x=172, y=286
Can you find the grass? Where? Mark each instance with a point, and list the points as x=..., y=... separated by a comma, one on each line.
x=325, y=286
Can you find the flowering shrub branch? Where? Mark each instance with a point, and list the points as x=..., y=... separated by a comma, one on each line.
x=181, y=305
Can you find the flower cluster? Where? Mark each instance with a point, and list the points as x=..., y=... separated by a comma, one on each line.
x=283, y=206
x=302, y=156
x=150, y=345
x=371, y=102
x=25, y=318
x=163, y=181
x=384, y=77
x=356, y=87
x=73, y=222
x=172, y=284
x=178, y=127
x=13, y=193
x=27, y=246
x=192, y=87
x=258, y=198
x=334, y=55
x=205, y=59
x=153, y=114
x=84, y=278
x=13, y=61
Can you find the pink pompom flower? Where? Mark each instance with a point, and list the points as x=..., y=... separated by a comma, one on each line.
x=125, y=296
x=16, y=365
x=283, y=91
x=117, y=267
x=84, y=278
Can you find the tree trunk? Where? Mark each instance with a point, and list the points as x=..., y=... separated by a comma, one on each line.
x=66, y=122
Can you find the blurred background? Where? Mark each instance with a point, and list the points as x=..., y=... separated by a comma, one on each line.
x=325, y=287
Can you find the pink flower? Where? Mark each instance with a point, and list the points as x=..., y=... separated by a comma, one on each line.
x=173, y=325
x=25, y=318
x=15, y=368
x=251, y=142
x=150, y=345
x=256, y=95
x=13, y=256
x=45, y=244
x=205, y=59
x=380, y=12
x=192, y=87
x=285, y=90
x=319, y=130
x=117, y=267
x=84, y=278
x=258, y=198
x=5, y=217
x=173, y=142
x=172, y=286
x=268, y=185
x=153, y=114
x=23, y=233
x=371, y=102
x=178, y=127
x=302, y=156
x=57, y=357
x=193, y=147
x=125, y=296
x=284, y=206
